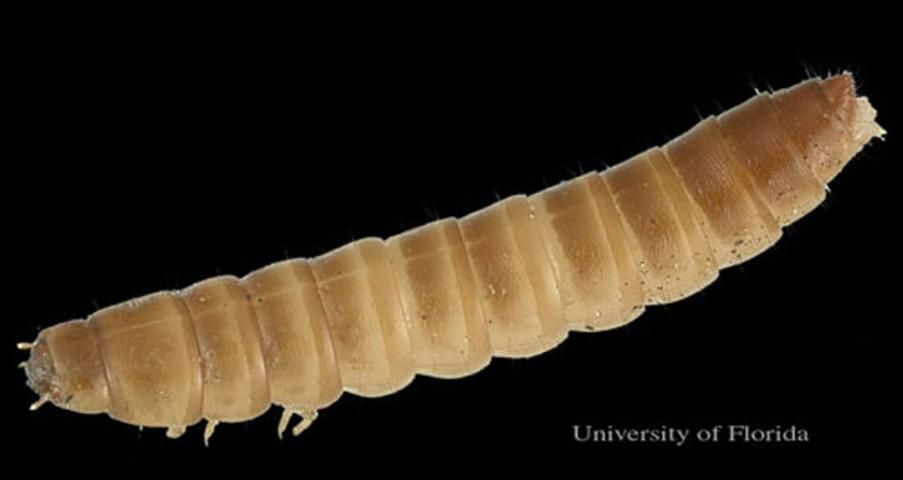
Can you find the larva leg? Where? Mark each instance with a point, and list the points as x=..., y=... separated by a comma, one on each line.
x=307, y=418
x=208, y=431
x=175, y=431
x=39, y=403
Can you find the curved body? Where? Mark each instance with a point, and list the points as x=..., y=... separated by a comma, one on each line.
x=510, y=280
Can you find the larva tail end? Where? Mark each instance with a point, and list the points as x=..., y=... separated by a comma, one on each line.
x=856, y=115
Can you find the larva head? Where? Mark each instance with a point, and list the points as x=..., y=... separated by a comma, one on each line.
x=66, y=368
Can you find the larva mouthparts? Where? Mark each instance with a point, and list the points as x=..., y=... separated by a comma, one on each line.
x=510, y=280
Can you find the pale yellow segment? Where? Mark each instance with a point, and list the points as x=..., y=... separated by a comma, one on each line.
x=449, y=338
x=660, y=245
x=234, y=373
x=689, y=218
x=585, y=268
x=630, y=279
x=514, y=278
x=297, y=348
x=526, y=229
x=151, y=358
x=367, y=321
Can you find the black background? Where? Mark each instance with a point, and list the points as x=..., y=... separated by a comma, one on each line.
x=148, y=157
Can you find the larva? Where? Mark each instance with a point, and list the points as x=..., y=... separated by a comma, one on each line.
x=510, y=280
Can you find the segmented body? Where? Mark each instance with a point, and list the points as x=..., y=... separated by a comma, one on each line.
x=510, y=280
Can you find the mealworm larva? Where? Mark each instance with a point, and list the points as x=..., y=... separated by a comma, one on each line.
x=510, y=280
